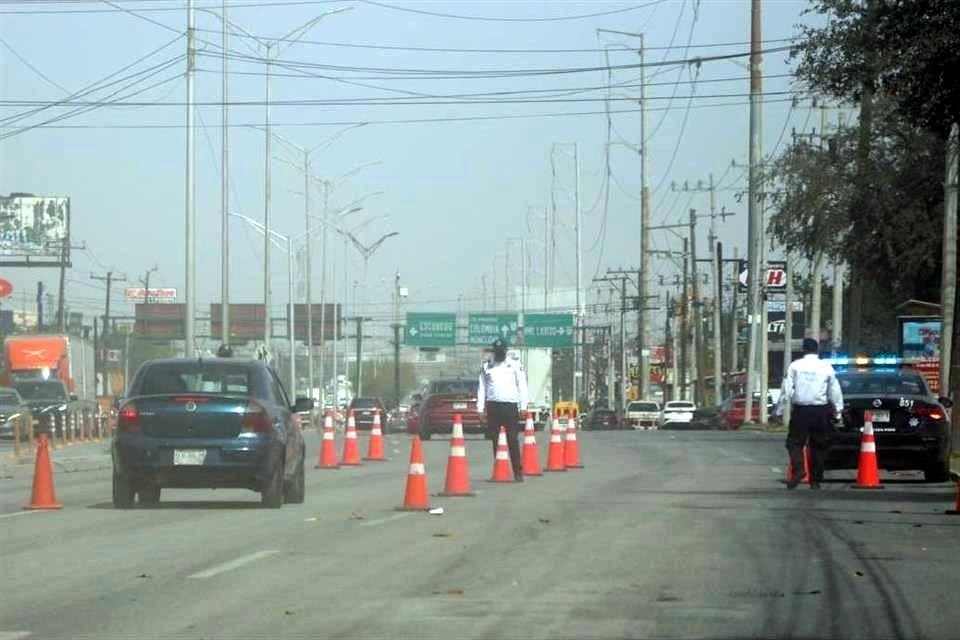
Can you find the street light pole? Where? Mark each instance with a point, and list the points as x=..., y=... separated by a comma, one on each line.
x=266, y=205
x=290, y=319
x=225, y=195
x=191, y=240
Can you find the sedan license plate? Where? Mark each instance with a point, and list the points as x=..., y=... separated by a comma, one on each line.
x=189, y=457
x=459, y=405
x=881, y=416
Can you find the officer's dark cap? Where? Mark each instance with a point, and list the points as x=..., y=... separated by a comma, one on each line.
x=811, y=346
x=499, y=344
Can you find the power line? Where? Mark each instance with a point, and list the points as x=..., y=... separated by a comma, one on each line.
x=245, y=5
x=490, y=19
x=27, y=64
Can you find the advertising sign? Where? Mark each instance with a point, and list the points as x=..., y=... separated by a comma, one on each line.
x=34, y=230
x=430, y=330
x=160, y=320
x=777, y=323
x=246, y=322
x=158, y=295
x=775, y=280
x=330, y=321
x=919, y=346
x=6, y=288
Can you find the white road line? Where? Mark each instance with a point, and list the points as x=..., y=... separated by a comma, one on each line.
x=233, y=564
x=14, y=635
x=396, y=516
x=14, y=515
x=776, y=470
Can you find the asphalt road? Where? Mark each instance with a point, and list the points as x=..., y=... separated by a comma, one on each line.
x=662, y=535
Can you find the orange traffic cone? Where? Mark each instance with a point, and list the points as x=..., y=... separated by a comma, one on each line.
x=806, y=466
x=571, y=451
x=555, y=460
x=458, y=476
x=328, y=446
x=531, y=456
x=502, y=469
x=415, y=497
x=43, y=496
x=868, y=475
x=351, y=451
x=956, y=508
x=375, y=445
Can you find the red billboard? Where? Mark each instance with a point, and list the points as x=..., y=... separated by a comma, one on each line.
x=246, y=322
x=160, y=320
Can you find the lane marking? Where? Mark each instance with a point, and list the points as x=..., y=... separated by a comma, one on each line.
x=396, y=516
x=233, y=564
x=13, y=515
x=14, y=635
x=776, y=470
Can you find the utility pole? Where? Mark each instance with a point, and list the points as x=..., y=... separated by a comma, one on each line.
x=358, y=384
x=224, y=189
x=837, y=307
x=643, y=289
x=396, y=340
x=755, y=207
x=40, y=289
x=697, y=312
x=190, y=293
x=684, y=323
x=717, y=264
x=734, y=328
x=145, y=281
x=61, y=302
x=787, y=331
x=267, y=328
x=105, y=334
x=578, y=346
x=949, y=367
x=669, y=347
x=614, y=276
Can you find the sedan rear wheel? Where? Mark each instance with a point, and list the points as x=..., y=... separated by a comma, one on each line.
x=271, y=496
x=295, y=489
x=937, y=472
x=123, y=491
x=149, y=495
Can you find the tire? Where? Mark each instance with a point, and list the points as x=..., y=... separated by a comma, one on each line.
x=937, y=472
x=271, y=496
x=123, y=491
x=425, y=434
x=149, y=495
x=295, y=490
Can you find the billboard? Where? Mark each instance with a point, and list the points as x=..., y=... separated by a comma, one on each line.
x=246, y=321
x=919, y=346
x=160, y=320
x=158, y=295
x=34, y=231
x=329, y=312
x=775, y=280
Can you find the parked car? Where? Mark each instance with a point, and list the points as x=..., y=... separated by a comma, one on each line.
x=735, y=409
x=14, y=412
x=206, y=424
x=677, y=414
x=597, y=419
x=642, y=414
x=363, y=411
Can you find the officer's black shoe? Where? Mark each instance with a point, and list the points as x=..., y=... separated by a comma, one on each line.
x=815, y=486
x=518, y=477
x=793, y=484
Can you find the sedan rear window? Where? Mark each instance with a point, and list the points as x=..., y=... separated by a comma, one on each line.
x=454, y=386
x=365, y=403
x=164, y=379
x=878, y=384
x=643, y=406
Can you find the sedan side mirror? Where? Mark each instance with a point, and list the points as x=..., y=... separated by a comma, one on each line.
x=302, y=405
x=946, y=402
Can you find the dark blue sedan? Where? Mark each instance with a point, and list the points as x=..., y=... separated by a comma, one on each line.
x=204, y=424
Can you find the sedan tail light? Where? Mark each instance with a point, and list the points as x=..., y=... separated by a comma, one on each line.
x=255, y=419
x=128, y=418
x=928, y=411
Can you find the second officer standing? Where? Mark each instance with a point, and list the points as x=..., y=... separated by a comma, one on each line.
x=502, y=391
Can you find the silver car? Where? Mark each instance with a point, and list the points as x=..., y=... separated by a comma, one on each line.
x=14, y=412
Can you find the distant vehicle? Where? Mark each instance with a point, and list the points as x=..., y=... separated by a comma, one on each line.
x=50, y=403
x=52, y=357
x=597, y=419
x=734, y=411
x=642, y=414
x=445, y=398
x=412, y=419
x=565, y=408
x=14, y=412
x=911, y=426
x=364, y=409
x=677, y=414
x=197, y=424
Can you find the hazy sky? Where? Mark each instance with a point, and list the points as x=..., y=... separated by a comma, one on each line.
x=454, y=190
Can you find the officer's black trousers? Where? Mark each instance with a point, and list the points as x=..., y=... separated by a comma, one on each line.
x=505, y=414
x=809, y=424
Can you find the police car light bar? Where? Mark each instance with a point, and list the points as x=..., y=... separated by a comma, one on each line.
x=837, y=360
x=840, y=360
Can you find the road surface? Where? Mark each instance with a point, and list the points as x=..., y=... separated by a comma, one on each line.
x=662, y=535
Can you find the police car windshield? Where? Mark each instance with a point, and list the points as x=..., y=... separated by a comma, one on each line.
x=875, y=383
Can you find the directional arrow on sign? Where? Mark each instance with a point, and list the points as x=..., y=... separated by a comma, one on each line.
x=413, y=331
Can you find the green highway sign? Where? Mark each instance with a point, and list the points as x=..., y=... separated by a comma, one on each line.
x=430, y=330
x=484, y=328
x=548, y=329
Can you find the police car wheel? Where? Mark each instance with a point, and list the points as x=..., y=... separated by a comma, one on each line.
x=937, y=472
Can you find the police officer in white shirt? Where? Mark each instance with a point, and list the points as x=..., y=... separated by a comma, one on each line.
x=502, y=392
x=811, y=387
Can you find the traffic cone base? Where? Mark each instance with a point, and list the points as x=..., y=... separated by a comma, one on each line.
x=351, y=450
x=457, y=484
x=415, y=496
x=555, y=462
x=375, y=449
x=571, y=450
x=502, y=468
x=43, y=497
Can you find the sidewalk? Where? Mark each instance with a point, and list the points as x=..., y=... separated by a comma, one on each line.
x=72, y=458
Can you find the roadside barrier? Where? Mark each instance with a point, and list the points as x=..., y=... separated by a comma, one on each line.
x=328, y=446
x=43, y=496
x=531, y=456
x=458, y=474
x=868, y=474
x=375, y=450
x=415, y=495
x=571, y=451
x=351, y=450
